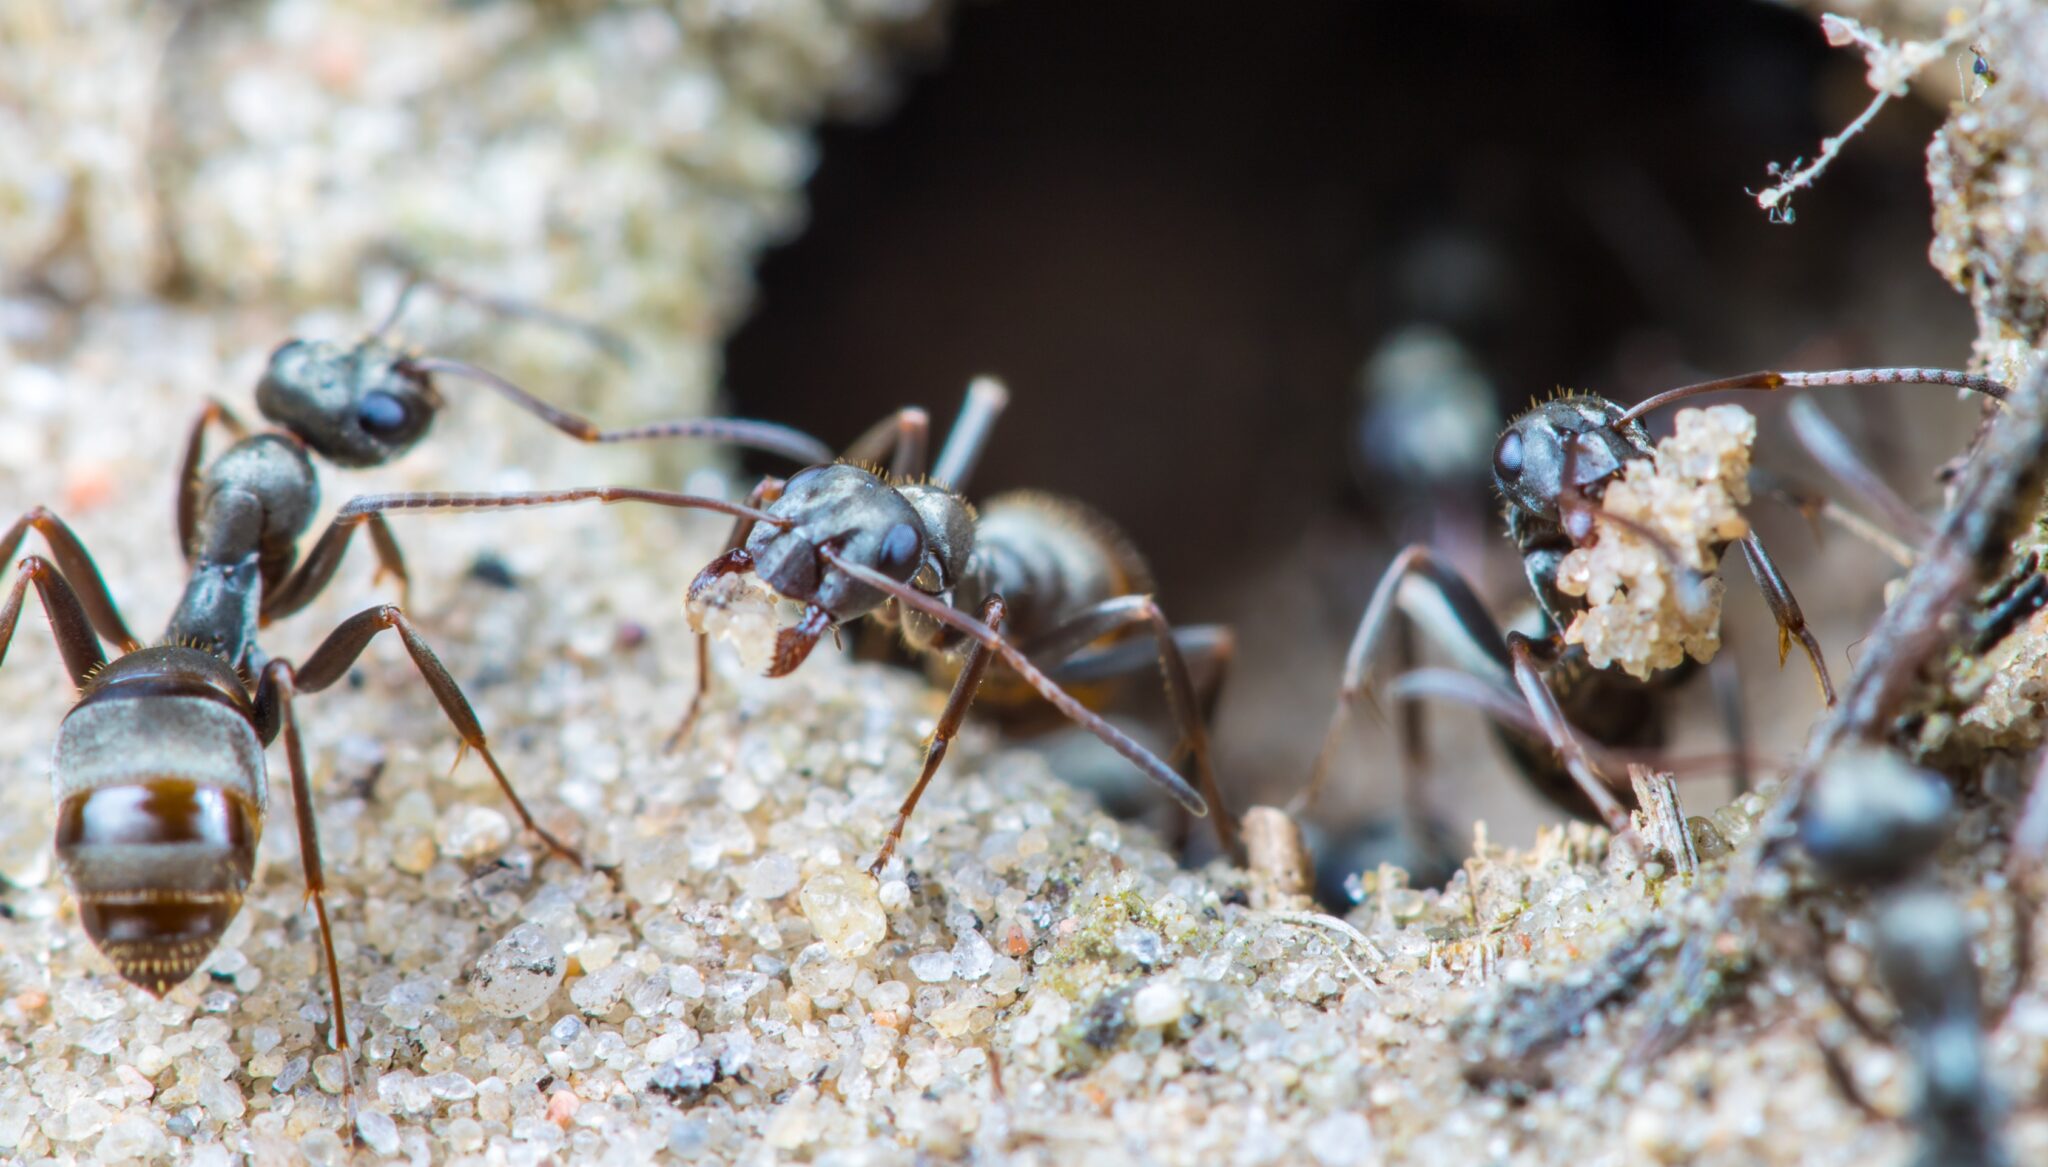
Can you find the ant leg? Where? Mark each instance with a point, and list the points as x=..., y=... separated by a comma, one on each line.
x=1209, y=649
x=2003, y=606
x=331, y=661
x=1770, y=382
x=986, y=400
x=909, y=597
x=733, y=559
x=69, y=625
x=375, y=505
x=79, y=571
x=1092, y=624
x=1529, y=679
x=1833, y=451
x=964, y=688
x=195, y=464
x=795, y=445
x=1446, y=603
x=1195, y=660
x=1784, y=606
x=1725, y=674
x=1813, y=506
x=274, y=692
x=317, y=571
x=1844, y=1081
x=1503, y=704
x=417, y=276
x=904, y=437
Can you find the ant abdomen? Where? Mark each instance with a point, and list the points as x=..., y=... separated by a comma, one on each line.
x=159, y=780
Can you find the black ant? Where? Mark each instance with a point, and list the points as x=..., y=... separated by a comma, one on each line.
x=158, y=771
x=1039, y=581
x=1552, y=466
x=1874, y=822
x=367, y=404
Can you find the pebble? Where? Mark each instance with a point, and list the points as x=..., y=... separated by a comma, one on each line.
x=845, y=911
x=519, y=973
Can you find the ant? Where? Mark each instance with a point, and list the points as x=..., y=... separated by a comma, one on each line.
x=365, y=405
x=1552, y=465
x=1873, y=822
x=1040, y=583
x=158, y=770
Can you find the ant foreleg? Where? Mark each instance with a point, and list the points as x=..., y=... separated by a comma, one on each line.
x=317, y=571
x=82, y=575
x=1057, y=647
x=194, y=465
x=274, y=692
x=766, y=436
x=903, y=438
x=986, y=400
x=68, y=623
x=330, y=662
x=373, y=505
x=964, y=688
x=1563, y=739
x=1785, y=607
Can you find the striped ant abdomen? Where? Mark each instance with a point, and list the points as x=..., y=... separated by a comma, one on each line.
x=160, y=787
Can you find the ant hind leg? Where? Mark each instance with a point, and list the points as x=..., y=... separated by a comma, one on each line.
x=1058, y=646
x=86, y=585
x=330, y=662
x=68, y=622
x=274, y=692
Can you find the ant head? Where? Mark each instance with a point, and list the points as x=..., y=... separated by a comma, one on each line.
x=854, y=512
x=1529, y=460
x=354, y=405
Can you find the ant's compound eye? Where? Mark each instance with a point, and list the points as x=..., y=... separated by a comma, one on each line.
x=1507, y=455
x=384, y=416
x=898, y=555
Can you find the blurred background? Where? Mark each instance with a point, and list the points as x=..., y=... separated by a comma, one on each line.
x=1265, y=291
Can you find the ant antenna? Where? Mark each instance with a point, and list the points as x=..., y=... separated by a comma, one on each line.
x=368, y=504
x=795, y=445
x=610, y=343
x=1769, y=382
